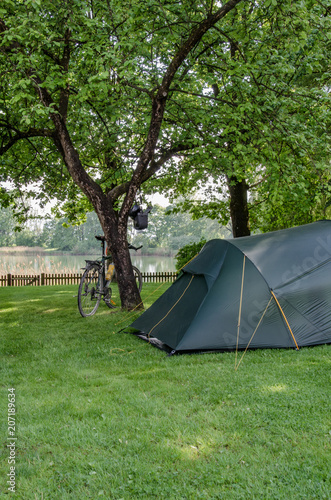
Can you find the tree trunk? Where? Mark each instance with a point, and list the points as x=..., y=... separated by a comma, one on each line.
x=113, y=224
x=238, y=206
x=116, y=237
x=115, y=231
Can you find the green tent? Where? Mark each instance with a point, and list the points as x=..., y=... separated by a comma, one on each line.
x=262, y=291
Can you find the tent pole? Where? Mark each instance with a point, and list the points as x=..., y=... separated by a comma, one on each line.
x=250, y=340
x=288, y=325
x=164, y=317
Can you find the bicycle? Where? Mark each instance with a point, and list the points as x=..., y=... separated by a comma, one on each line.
x=96, y=280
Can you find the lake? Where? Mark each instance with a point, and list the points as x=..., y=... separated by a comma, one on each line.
x=36, y=264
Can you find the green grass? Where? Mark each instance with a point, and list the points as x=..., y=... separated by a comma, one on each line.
x=101, y=414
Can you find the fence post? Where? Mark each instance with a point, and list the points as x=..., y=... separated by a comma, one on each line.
x=9, y=280
x=42, y=279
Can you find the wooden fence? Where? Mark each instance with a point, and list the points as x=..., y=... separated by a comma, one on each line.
x=71, y=279
x=159, y=277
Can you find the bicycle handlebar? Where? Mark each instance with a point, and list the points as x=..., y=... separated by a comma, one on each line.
x=131, y=247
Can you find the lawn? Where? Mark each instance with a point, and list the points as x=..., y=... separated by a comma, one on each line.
x=102, y=414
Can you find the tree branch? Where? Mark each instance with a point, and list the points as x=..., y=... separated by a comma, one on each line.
x=209, y=97
x=150, y=93
x=252, y=186
x=159, y=101
x=32, y=132
x=64, y=94
x=154, y=167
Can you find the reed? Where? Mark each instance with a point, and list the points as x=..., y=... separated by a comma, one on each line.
x=22, y=250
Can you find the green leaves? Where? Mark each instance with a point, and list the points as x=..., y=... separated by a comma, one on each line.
x=269, y=119
x=250, y=99
x=187, y=253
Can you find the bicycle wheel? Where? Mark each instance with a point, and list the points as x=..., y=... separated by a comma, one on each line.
x=88, y=291
x=139, y=278
x=137, y=274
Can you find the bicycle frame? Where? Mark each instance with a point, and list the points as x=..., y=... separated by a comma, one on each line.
x=102, y=263
x=95, y=283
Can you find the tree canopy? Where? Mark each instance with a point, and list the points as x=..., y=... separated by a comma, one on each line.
x=263, y=128
x=97, y=97
x=104, y=68
x=83, y=95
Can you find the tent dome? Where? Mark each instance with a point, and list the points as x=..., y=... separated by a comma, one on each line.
x=261, y=291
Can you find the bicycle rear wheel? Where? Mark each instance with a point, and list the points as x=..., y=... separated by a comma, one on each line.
x=88, y=292
x=137, y=275
x=139, y=278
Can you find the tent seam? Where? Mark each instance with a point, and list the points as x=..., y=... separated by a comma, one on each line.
x=300, y=276
x=258, y=270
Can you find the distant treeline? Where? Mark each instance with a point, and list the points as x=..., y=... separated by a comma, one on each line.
x=167, y=232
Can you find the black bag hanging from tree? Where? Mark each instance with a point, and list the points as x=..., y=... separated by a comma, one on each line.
x=139, y=217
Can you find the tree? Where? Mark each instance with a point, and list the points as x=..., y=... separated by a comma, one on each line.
x=59, y=234
x=261, y=125
x=7, y=224
x=85, y=85
x=12, y=234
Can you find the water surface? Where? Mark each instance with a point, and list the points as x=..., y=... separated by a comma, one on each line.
x=36, y=264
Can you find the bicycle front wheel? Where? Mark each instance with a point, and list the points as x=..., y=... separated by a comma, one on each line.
x=108, y=300
x=88, y=292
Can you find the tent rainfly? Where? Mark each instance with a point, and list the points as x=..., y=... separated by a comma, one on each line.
x=269, y=290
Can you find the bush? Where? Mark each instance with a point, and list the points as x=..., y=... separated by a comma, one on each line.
x=186, y=253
